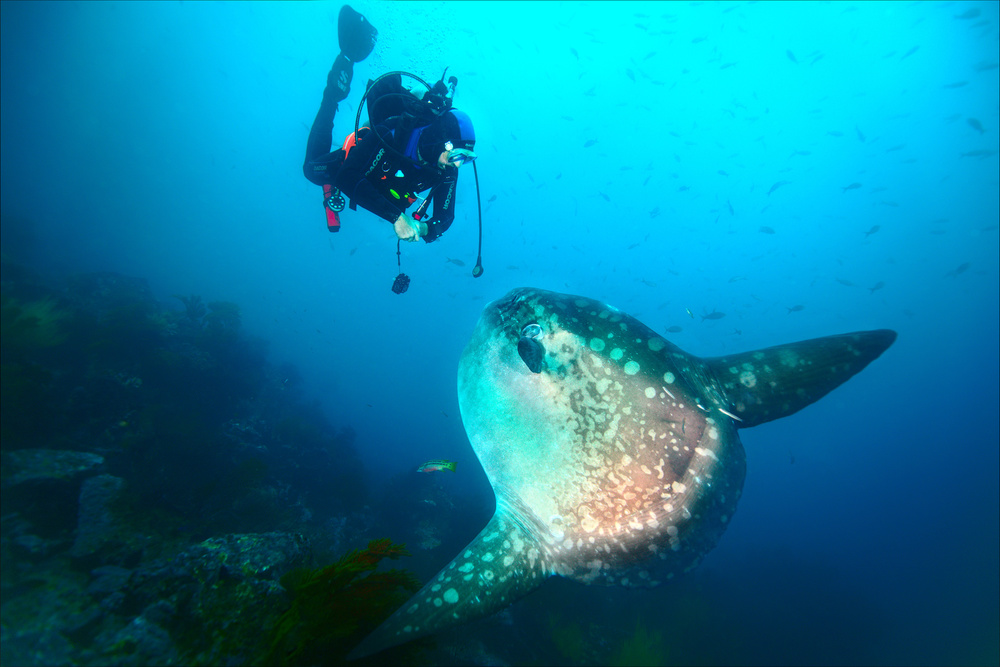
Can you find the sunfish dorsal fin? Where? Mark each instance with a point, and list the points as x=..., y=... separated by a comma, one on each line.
x=775, y=382
x=504, y=563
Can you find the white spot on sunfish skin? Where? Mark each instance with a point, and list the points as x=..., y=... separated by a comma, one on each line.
x=466, y=567
x=487, y=557
x=669, y=378
x=437, y=602
x=617, y=354
x=631, y=368
x=450, y=596
x=650, y=392
x=596, y=344
x=701, y=451
x=656, y=344
x=748, y=379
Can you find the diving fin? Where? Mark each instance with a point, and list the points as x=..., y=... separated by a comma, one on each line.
x=355, y=34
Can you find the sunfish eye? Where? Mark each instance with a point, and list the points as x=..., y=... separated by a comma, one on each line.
x=531, y=331
x=531, y=352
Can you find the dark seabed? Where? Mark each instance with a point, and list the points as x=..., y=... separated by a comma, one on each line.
x=213, y=409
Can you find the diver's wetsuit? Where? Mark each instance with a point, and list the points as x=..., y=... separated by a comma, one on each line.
x=373, y=177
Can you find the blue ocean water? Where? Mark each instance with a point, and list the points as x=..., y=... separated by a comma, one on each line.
x=669, y=159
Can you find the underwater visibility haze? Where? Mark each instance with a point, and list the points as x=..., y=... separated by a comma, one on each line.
x=226, y=439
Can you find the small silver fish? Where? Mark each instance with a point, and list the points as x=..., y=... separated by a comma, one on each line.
x=962, y=268
x=776, y=186
x=979, y=153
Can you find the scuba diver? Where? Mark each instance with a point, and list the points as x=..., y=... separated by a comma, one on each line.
x=411, y=145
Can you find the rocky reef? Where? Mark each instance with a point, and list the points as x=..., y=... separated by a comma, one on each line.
x=160, y=477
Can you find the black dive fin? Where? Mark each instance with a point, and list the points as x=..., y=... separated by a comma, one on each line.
x=355, y=34
x=777, y=381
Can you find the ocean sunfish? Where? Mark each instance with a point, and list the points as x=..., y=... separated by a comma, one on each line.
x=614, y=455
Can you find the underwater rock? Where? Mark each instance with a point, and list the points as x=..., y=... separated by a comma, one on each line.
x=42, y=465
x=246, y=558
x=43, y=646
x=44, y=609
x=104, y=290
x=108, y=579
x=247, y=555
x=143, y=642
x=32, y=545
x=95, y=527
x=219, y=593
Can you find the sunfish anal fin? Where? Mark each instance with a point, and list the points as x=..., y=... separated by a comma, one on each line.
x=504, y=563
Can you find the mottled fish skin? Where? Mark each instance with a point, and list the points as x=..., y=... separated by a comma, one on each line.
x=609, y=442
x=617, y=462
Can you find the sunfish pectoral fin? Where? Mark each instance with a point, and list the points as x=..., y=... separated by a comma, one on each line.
x=775, y=382
x=503, y=564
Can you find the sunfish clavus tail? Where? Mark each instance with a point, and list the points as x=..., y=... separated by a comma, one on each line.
x=613, y=454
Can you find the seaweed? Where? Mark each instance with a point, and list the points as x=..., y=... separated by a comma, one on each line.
x=224, y=315
x=642, y=647
x=334, y=607
x=194, y=309
x=569, y=640
x=31, y=325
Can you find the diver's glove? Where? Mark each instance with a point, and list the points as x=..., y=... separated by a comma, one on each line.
x=408, y=229
x=338, y=81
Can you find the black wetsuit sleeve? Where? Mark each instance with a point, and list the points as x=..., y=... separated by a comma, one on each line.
x=443, y=199
x=366, y=158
